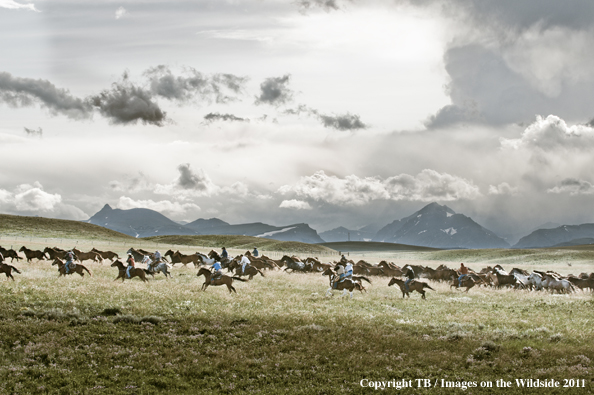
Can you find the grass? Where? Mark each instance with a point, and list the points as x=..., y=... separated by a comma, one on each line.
x=278, y=334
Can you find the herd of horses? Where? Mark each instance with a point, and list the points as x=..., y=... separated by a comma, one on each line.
x=489, y=277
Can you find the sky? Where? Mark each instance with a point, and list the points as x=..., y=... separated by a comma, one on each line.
x=328, y=112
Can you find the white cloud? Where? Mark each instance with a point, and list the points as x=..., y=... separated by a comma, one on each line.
x=13, y=5
x=120, y=12
x=551, y=134
x=33, y=200
x=162, y=206
x=295, y=204
x=503, y=189
x=428, y=185
x=574, y=187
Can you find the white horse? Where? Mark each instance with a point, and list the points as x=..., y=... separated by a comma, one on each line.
x=521, y=280
x=557, y=285
x=535, y=279
x=161, y=267
x=205, y=260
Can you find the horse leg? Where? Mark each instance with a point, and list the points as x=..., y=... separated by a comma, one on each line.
x=329, y=292
x=422, y=294
x=231, y=288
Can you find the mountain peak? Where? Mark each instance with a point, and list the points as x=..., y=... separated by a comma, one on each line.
x=436, y=207
x=106, y=208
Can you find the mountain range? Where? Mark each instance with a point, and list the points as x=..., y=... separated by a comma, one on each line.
x=434, y=225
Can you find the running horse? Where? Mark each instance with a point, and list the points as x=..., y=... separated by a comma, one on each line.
x=7, y=269
x=74, y=268
x=295, y=264
x=348, y=284
x=178, y=257
x=30, y=254
x=414, y=285
x=222, y=280
x=136, y=272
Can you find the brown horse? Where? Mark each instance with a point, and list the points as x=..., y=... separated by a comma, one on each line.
x=467, y=282
x=112, y=256
x=30, y=254
x=414, y=285
x=53, y=253
x=88, y=256
x=7, y=269
x=178, y=257
x=12, y=254
x=223, y=280
x=136, y=272
x=250, y=271
x=76, y=269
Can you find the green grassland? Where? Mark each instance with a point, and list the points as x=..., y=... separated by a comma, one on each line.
x=280, y=334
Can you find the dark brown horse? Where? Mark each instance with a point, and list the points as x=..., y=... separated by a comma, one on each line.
x=7, y=269
x=136, y=272
x=250, y=271
x=53, y=253
x=78, y=268
x=222, y=280
x=12, y=254
x=30, y=254
x=112, y=256
x=178, y=257
x=87, y=256
x=414, y=285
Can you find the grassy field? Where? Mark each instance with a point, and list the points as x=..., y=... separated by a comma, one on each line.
x=280, y=334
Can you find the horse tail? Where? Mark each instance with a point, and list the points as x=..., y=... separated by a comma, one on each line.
x=239, y=278
x=365, y=278
x=425, y=285
x=261, y=273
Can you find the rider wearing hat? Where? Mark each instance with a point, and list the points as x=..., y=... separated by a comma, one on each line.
x=255, y=253
x=224, y=254
x=463, y=272
x=217, y=270
x=410, y=275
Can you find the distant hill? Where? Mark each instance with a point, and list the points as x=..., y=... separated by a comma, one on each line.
x=439, y=227
x=242, y=242
x=359, y=246
x=343, y=234
x=576, y=242
x=16, y=225
x=552, y=237
x=296, y=232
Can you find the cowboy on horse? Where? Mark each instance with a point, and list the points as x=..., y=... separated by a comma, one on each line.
x=217, y=271
x=69, y=262
x=244, y=262
x=130, y=262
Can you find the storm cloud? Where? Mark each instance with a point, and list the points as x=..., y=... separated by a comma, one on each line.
x=34, y=132
x=275, y=91
x=215, y=116
x=342, y=122
x=24, y=92
x=189, y=184
x=220, y=88
x=573, y=186
x=126, y=103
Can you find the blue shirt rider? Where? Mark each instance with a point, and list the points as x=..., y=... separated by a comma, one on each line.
x=130, y=262
x=410, y=275
x=255, y=253
x=69, y=261
x=217, y=270
x=224, y=253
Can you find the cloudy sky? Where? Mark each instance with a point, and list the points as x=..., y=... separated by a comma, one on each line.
x=330, y=112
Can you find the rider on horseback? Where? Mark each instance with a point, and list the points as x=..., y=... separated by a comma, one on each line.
x=224, y=254
x=130, y=262
x=148, y=262
x=348, y=270
x=463, y=272
x=69, y=261
x=255, y=253
x=410, y=275
x=339, y=275
x=217, y=271
x=244, y=262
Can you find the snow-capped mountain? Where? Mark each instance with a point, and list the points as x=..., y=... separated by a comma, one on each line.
x=441, y=227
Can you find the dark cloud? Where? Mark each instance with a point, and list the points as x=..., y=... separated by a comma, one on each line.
x=34, y=132
x=127, y=103
x=275, y=91
x=188, y=179
x=573, y=186
x=221, y=88
x=339, y=122
x=215, y=116
x=342, y=122
x=22, y=92
x=327, y=5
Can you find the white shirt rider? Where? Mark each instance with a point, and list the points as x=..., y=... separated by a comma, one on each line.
x=148, y=262
x=244, y=262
